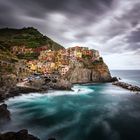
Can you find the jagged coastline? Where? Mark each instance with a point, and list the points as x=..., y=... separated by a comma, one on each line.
x=127, y=86
x=28, y=53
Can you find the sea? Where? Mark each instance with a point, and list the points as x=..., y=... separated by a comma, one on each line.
x=89, y=112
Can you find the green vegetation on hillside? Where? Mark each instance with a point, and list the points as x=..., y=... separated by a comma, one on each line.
x=29, y=37
x=6, y=55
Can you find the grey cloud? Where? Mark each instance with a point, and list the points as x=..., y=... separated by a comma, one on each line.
x=133, y=15
x=72, y=8
x=6, y=16
x=83, y=35
x=134, y=36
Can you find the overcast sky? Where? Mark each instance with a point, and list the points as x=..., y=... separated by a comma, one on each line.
x=110, y=26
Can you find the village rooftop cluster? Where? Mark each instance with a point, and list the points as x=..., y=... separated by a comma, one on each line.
x=57, y=62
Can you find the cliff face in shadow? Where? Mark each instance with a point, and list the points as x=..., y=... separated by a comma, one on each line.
x=101, y=73
x=80, y=75
x=98, y=72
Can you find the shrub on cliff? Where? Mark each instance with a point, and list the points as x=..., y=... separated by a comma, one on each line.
x=29, y=37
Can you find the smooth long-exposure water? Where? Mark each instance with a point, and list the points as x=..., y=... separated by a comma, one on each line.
x=90, y=112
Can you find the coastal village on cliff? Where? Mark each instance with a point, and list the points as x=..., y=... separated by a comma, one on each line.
x=59, y=62
x=30, y=59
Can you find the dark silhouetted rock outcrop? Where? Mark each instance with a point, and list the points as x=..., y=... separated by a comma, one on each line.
x=51, y=139
x=127, y=86
x=21, y=135
x=4, y=113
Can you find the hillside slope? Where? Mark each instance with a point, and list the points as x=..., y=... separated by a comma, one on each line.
x=28, y=37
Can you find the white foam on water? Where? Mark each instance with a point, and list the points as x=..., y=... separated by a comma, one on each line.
x=25, y=97
x=76, y=90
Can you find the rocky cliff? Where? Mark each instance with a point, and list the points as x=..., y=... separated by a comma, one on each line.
x=20, y=135
x=101, y=73
x=4, y=114
x=97, y=72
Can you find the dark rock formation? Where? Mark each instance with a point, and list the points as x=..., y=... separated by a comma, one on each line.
x=21, y=135
x=2, y=95
x=80, y=75
x=127, y=86
x=114, y=79
x=8, y=88
x=36, y=83
x=61, y=85
x=98, y=72
x=4, y=113
x=51, y=139
x=16, y=91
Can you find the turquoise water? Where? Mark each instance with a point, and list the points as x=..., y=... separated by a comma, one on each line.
x=95, y=112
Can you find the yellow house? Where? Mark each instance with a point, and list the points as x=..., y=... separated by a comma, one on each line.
x=52, y=65
x=78, y=54
x=33, y=67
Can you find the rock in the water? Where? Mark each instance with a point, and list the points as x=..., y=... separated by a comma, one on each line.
x=62, y=85
x=114, y=79
x=127, y=86
x=2, y=95
x=51, y=139
x=4, y=113
x=21, y=135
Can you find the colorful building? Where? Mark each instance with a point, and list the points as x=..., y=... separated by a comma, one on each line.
x=64, y=69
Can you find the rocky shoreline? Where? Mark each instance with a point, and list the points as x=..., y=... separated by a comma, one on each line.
x=36, y=86
x=20, y=135
x=40, y=85
x=26, y=87
x=127, y=86
x=4, y=114
x=15, y=91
